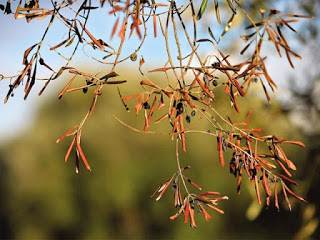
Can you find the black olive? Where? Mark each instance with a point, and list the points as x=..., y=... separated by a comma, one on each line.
x=188, y=119
x=232, y=168
x=215, y=65
x=85, y=90
x=214, y=82
x=30, y=4
x=88, y=81
x=146, y=105
x=179, y=108
x=253, y=172
x=41, y=61
x=193, y=113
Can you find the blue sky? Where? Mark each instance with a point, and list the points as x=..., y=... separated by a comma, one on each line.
x=17, y=35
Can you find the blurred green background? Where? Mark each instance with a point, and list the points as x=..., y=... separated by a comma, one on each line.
x=43, y=198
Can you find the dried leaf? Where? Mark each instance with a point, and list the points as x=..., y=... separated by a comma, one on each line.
x=204, y=212
x=69, y=150
x=114, y=28
x=26, y=54
x=276, y=202
x=256, y=185
x=83, y=156
x=154, y=25
x=220, y=148
x=60, y=44
x=94, y=40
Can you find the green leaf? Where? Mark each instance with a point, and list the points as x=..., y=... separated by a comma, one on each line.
x=203, y=7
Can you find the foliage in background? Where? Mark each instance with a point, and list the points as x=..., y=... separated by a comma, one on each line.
x=43, y=198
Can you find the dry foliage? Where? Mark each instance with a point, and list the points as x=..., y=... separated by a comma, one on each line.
x=181, y=97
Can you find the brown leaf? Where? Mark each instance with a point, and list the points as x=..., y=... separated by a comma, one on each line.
x=26, y=54
x=94, y=40
x=69, y=132
x=186, y=212
x=204, y=212
x=69, y=150
x=59, y=44
x=154, y=25
x=220, y=148
x=266, y=184
x=183, y=134
x=283, y=168
x=114, y=28
x=276, y=202
x=192, y=218
x=293, y=193
x=298, y=143
x=215, y=208
x=286, y=196
x=256, y=185
x=32, y=81
x=83, y=156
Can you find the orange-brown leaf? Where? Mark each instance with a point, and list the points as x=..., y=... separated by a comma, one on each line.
x=220, y=149
x=114, y=28
x=69, y=150
x=83, y=157
x=94, y=40
x=154, y=25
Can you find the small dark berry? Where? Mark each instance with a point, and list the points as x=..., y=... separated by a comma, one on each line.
x=188, y=119
x=146, y=105
x=214, y=82
x=179, y=108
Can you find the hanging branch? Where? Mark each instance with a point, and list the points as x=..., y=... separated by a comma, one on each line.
x=186, y=92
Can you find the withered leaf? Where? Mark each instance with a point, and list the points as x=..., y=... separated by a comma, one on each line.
x=60, y=44
x=116, y=82
x=114, y=28
x=26, y=54
x=94, y=40
x=32, y=82
x=83, y=156
x=109, y=75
